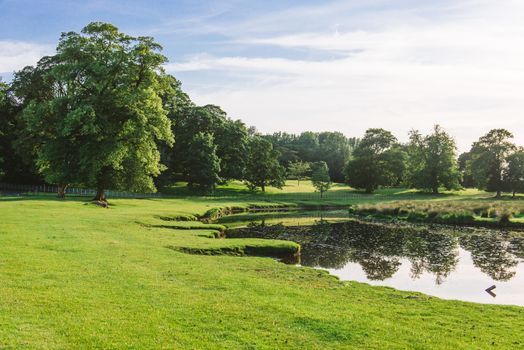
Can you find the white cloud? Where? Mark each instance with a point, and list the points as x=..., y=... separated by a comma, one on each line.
x=462, y=66
x=15, y=55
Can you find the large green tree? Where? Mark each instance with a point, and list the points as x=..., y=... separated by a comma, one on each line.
x=203, y=162
x=377, y=160
x=489, y=159
x=514, y=172
x=432, y=161
x=262, y=166
x=99, y=114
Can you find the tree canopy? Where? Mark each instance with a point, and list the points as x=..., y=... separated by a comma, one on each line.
x=514, y=172
x=489, y=159
x=95, y=110
x=377, y=161
x=298, y=170
x=262, y=166
x=432, y=161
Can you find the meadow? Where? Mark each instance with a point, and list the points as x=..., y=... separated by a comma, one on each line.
x=145, y=274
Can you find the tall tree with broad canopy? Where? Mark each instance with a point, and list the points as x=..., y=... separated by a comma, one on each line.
x=100, y=114
x=298, y=170
x=432, y=161
x=514, y=172
x=262, y=166
x=377, y=160
x=489, y=159
x=203, y=162
x=320, y=178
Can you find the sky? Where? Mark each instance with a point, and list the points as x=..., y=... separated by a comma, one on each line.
x=315, y=65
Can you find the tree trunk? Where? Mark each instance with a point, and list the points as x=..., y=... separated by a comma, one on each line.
x=263, y=188
x=62, y=190
x=499, y=194
x=321, y=194
x=100, y=195
x=369, y=190
x=514, y=192
x=435, y=190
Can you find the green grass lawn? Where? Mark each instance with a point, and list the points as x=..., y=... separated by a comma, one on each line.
x=76, y=276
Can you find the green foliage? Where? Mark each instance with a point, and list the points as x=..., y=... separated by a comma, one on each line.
x=95, y=110
x=467, y=180
x=331, y=147
x=432, y=161
x=489, y=159
x=320, y=177
x=262, y=166
x=229, y=136
x=16, y=164
x=298, y=170
x=377, y=161
x=203, y=163
x=514, y=172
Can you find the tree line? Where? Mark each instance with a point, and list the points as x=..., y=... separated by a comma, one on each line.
x=429, y=162
x=102, y=113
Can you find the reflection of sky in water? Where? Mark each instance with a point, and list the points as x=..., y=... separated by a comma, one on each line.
x=466, y=282
x=445, y=262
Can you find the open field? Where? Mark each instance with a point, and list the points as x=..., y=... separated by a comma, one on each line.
x=73, y=275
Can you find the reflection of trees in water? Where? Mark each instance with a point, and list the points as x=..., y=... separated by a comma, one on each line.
x=379, y=248
x=433, y=252
x=491, y=254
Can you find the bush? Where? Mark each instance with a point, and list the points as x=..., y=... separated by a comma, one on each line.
x=459, y=218
x=417, y=216
x=504, y=216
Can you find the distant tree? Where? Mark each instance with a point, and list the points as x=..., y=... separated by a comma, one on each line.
x=465, y=171
x=377, y=161
x=176, y=102
x=204, y=164
x=230, y=137
x=232, y=142
x=514, y=172
x=432, y=161
x=262, y=166
x=307, y=146
x=320, y=177
x=285, y=144
x=489, y=160
x=298, y=170
x=331, y=147
x=335, y=150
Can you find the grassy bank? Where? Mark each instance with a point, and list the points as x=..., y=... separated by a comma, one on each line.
x=487, y=213
x=73, y=275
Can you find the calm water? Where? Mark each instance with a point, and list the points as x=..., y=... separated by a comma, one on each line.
x=443, y=262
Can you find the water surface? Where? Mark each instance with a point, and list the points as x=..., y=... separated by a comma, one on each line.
x=450, y=263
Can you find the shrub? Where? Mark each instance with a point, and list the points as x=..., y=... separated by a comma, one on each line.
x=417, y=216
x=504, y=216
